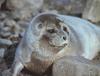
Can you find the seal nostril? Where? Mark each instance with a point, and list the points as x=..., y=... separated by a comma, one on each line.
x=64, y=38
x=65, y=29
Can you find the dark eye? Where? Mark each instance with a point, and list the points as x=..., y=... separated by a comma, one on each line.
x=51, y=31
x=64, y=38
x=65, y=29
x=40, y=26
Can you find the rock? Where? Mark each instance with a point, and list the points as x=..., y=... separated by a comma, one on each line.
x=5, y=42
x=10, y=27
x=13, y=26
x=9, y=22
x=6, y=73
x=92, y=11
x=5, y=34
x=65, y=6
x=2, y=50
x=23, y=25
x=1, y=1
x=1, y=26
x=23, y=9
x=2, y=16
x=75, y=66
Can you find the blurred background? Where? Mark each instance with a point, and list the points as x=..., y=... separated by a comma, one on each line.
x=15, y=16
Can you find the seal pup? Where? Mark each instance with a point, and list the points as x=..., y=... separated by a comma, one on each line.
x=51, y=36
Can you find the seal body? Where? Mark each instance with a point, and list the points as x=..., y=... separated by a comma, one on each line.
x=43, y=44
x=86, y=35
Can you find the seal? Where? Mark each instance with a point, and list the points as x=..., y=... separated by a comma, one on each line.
x=51, y=36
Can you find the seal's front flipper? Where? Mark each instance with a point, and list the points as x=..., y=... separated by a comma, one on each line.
x=16, y=69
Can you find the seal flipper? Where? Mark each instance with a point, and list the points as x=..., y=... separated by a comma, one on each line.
x=16, y=68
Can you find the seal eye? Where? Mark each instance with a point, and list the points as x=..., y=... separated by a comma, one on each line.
x=40, y=25
x=51, y=31
x=64, y=38
x=65, y=29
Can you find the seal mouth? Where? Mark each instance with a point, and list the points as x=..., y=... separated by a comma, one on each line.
x=57, y=46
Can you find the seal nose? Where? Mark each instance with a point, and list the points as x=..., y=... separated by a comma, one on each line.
x=64, y=38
